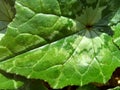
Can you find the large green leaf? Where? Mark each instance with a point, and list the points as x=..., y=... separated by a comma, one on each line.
x=62, y=48
x=74, y=60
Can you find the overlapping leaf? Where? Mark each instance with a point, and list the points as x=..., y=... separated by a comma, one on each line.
x=6, y=83
x=31, y=31
x=116, y=27
x=69, y=50
x=6, y=13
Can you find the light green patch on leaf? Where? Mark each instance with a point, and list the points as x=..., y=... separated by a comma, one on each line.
x=116, y=18
x=1, y=35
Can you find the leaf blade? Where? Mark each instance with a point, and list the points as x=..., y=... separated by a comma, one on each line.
x=59, y=61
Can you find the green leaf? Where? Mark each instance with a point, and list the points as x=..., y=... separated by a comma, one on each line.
x=71, y=47
x=74, y=60
x=6, y=83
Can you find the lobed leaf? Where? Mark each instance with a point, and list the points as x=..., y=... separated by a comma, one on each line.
x=61, y=47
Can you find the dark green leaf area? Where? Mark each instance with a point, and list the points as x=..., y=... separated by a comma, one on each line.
x=33, y=85
x=7, y=13
x=6, y=10
x=3, y=26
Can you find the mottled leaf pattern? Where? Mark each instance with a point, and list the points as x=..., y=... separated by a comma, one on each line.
x=62, y=48
x=29, y=31
x=67, y=61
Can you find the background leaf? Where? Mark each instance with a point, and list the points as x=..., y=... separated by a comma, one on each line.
x=7, y=12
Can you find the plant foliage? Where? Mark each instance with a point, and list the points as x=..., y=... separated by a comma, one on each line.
x=63, y=42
